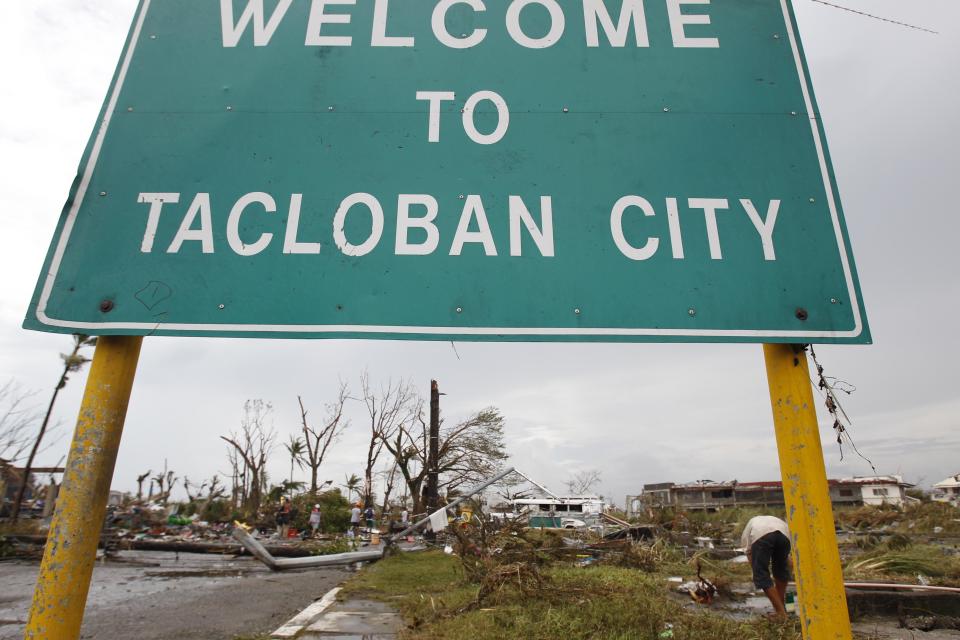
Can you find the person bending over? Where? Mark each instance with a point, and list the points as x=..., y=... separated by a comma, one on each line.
x=767, y=543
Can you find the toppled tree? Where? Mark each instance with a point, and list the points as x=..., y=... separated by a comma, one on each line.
x=72, y=362
x=318, y=439
x=505, y=559
x=388, y=408
x=250, y=449
x=469, y=452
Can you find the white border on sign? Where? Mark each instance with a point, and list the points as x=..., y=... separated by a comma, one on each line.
x=91, y=327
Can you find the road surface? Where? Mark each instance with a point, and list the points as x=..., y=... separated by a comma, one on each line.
x=166, y=596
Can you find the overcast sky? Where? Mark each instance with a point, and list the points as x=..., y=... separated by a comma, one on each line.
x=639, y=413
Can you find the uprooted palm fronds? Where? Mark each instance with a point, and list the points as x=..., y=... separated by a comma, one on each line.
x=920, y=559
x=868, y=517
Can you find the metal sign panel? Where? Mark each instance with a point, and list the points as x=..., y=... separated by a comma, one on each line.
x=457, y=169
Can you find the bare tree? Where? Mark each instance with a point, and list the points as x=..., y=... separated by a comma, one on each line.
x=15, y=420
x=140, y=480
x=253, y=445
x=72, y=362
x=390, y=477
x=388, y=408
x=165, y=481
x=186, y=487
x=505, y=488
x=469, y=451
x=317, y=440
x=583, y=482
x=159, y=481
x=237, y=490
x=214, y=491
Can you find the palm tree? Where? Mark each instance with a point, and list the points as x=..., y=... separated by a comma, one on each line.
x=296, y=448
x=353, y=483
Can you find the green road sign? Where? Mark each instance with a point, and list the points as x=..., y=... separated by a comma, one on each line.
x=457, y=169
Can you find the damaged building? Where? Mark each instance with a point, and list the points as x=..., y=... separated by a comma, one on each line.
x=708, y=495
x=947, y=491
x=10, y=478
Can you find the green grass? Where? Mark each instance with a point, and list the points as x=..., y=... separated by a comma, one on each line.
x=576, y=603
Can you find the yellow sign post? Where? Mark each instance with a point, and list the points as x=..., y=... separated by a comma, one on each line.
x=822, y=601
x=61, y=592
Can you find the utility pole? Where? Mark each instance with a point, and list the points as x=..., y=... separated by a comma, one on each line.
x=433, y=462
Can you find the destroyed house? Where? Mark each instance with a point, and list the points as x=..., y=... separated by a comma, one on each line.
x=552, y=512
x=947, y=491
x=708, y=495
x=10, y=478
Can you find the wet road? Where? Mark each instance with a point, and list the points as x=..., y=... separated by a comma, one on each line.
x=158, y=596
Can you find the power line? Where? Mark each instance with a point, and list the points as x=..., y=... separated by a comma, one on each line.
x=870, y=15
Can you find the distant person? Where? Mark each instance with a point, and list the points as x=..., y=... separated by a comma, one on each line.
x=283, y=519
x=369, y=515
x=405, y=518
x=355, y=519
x=766, y=540
x=315, y=519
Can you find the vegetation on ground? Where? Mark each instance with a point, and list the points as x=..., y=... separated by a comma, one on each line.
x=725, y=523
x=898, y=560
x=610, y=602
x=914, y=519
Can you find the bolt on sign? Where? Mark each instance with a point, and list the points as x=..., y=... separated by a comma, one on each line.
x=635, y=170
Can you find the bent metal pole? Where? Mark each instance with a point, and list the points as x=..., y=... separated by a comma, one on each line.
x=61, y=592
x=821, y=600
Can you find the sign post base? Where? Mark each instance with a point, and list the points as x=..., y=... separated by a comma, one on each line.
x=61, y=591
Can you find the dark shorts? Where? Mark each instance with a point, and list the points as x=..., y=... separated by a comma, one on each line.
x=772, y=549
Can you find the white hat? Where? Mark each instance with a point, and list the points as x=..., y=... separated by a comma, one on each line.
x=316, y=506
